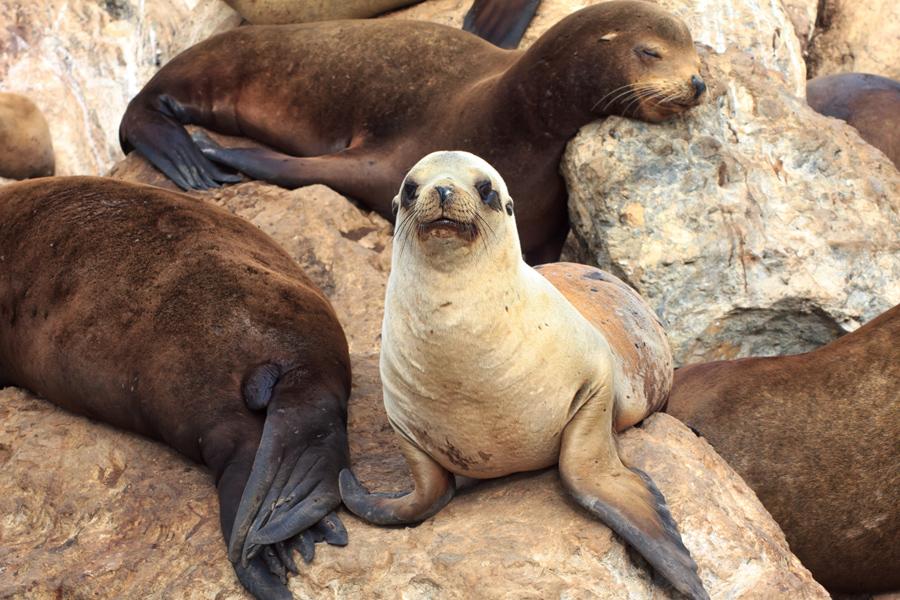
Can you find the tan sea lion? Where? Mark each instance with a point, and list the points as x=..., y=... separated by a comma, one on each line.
x=871, y=104
x=488, y=369
x=154, y=312
x=354, y=104
x=26, y=149
x=817, y=437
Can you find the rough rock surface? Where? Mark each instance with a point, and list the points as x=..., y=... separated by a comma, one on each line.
x=761, y=28
x=81, y=61
x=753, y=225
x=802, y=14
x=89, y=511
x=856, y=36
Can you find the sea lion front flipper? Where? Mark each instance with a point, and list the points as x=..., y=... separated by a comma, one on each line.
x=352, y=171
x=153, y=129
x=434, y=487
x=625, y=499
x=501, y=22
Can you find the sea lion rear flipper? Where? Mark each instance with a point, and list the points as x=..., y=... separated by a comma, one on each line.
x=153, y=130
x=501, y=22
x=625, y=499
x=292, y=485
x=434, y=487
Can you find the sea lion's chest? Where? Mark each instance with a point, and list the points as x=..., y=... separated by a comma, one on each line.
x=487, y=389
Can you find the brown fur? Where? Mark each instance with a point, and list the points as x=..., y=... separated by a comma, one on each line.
x=816, y=437
x=354, y=104
x=26, y=149
x=869, y=103
x=160, y=314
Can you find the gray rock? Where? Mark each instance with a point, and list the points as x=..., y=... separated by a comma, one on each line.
x=753, y=225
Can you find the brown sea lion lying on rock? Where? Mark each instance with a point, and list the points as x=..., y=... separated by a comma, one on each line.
x=154, y=312
x=354, y=104
x=816, y=437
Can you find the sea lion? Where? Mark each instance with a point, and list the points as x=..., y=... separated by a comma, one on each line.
x=488, y=369
x=871, y=104
x=354, y=104
x=26, y=149
x=816, y=437
x=154, y=312
x=501, y=22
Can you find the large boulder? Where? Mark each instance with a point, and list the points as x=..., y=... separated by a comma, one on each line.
x=86, y=510
x=753, y=225
x=853, y=36
x=81, y=61
x=759, y=27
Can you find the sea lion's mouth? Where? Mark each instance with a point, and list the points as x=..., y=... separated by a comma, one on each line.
x=444, y=227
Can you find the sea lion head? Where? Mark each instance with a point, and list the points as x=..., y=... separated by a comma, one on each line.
x=624, y=57
x=454, y=207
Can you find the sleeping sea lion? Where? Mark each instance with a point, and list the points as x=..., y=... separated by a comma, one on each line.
x=354, y=104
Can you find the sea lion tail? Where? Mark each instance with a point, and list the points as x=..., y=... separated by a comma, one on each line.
x=152, y=125
x=292, y=488
x=501, y=23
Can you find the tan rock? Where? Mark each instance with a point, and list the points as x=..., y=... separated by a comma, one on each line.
x=856, y=36
x=802, y=14
x=81, y=61
x=88, y=511
x=767, y=228
x=758, y=27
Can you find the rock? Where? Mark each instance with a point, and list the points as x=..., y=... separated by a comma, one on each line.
x=113, y=515
x=81, y=61
x=855, y=36
x=802, y=14
x=758, y=27
x=753, y=225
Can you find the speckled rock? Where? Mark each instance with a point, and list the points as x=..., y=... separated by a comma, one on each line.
x=802, y=14
x=88, y=511
x=81, y=61
x=761, y=28
x=753, y=225
x=856, y=36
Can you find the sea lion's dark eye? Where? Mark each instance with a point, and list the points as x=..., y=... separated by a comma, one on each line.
x=488, y=194
x=509, y=209
x=410, y=189
x=650, y=52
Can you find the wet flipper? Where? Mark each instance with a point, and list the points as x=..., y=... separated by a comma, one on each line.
x=501, y=22
x=154, y=129
x=434, y=488
x=625, y=499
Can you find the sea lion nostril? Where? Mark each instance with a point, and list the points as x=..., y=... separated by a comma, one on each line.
x=445, y=193
x=699, y=86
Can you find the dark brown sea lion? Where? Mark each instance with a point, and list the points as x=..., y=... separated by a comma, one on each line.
x=26, y=149
x=490, y=367
x=154, y=312
x=869, y=103
x=817, y=437
x=354, y=104
x=501, y=22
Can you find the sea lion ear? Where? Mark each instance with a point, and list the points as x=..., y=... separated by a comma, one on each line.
x=395, y=205
x=609, y=36
x=509, y=206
